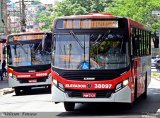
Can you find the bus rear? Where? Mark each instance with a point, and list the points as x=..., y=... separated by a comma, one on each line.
x=29, y=59
x=91, y=60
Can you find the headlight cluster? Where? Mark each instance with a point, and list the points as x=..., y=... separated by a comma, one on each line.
x=58, y=84
x=50, y=76
x=122, y=84
x=12, y=76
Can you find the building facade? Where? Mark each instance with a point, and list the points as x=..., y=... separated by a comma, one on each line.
x=3, y=27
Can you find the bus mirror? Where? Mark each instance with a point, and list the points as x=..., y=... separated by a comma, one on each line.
x=43, y=42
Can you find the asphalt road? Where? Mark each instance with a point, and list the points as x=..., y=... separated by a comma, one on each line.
x=39, y=101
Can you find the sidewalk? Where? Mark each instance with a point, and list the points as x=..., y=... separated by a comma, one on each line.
x=4, y=87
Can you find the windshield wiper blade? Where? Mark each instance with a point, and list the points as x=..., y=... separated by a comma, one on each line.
x=39, y=45
x=101, y=37
x=76, y=38
x=22, y=47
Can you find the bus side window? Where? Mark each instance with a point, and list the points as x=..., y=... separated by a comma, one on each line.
x=135, y=43
x=9, y=57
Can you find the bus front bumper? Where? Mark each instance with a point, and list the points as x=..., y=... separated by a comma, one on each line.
x=122, y=96
x=25, y=82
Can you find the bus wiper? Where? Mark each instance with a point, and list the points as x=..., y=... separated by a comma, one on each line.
x=76, y=38
x=22, y=47
x=40, y=44
x=101, y=37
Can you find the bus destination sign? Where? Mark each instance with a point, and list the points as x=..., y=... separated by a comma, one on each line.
x=28, y=37
x=86, y=24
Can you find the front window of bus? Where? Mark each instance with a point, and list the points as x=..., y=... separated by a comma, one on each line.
x=28, y=53
x=90, y=51
x=70, y=52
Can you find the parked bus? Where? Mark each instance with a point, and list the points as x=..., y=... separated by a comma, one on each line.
x=29, y=60
x=99, y=58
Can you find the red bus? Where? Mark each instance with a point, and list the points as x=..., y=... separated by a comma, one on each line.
x=29, y=60
x=99, y=58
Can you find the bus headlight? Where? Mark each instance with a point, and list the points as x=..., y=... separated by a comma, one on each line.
x=49, y=76
x=119, y=86
x=60, y=86
x=10, y=74
x=122, y=84
x=55, y=81
x=125, y=82
x=14, y=77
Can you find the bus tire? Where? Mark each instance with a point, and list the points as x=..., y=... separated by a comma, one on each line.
x=17, y=91
x=69, y=106
x=128, y=105
x=144, y=95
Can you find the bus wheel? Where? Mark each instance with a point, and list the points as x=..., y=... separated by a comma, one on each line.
x=144, y=95
x=69, y=106
x=17, y=91
x=128, y=105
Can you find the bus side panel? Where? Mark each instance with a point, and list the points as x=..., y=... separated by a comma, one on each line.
x=135, y=74
x=145, y=73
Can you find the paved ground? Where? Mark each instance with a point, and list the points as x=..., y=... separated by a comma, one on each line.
x=39, y=100
x=4, y=83
x=4, y=87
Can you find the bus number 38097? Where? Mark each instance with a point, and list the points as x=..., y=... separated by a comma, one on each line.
x=107, y=86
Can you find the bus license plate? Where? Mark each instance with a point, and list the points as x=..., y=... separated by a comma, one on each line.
x=89, y=95
x=32, y=81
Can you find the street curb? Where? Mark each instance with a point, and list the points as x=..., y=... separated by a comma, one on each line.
x=6, y=91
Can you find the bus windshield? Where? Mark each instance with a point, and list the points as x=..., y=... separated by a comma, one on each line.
x=29, y=53
x=90, y=51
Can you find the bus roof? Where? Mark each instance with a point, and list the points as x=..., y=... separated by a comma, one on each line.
x=89, y=16
x=136, y=24
x=106, y=16
x=27, y=33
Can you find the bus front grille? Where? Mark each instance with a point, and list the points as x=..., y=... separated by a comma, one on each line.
x=99, y=94
x=22, y=80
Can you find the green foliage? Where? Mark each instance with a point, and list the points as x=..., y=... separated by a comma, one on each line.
x=45, y=17
x=139, y=10
x=70, y=7
x=79, y=7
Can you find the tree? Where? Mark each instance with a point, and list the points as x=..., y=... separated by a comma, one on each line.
x=139, y=10
x=79, y=7
x=70, y=7
x=43, y=16
x=46, y=18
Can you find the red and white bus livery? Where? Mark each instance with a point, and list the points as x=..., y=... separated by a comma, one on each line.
x=99, y=58
x=29, y=60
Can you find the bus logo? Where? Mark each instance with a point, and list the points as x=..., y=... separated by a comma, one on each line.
x=32, y=71
x=89, y=85
x=89, y=78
